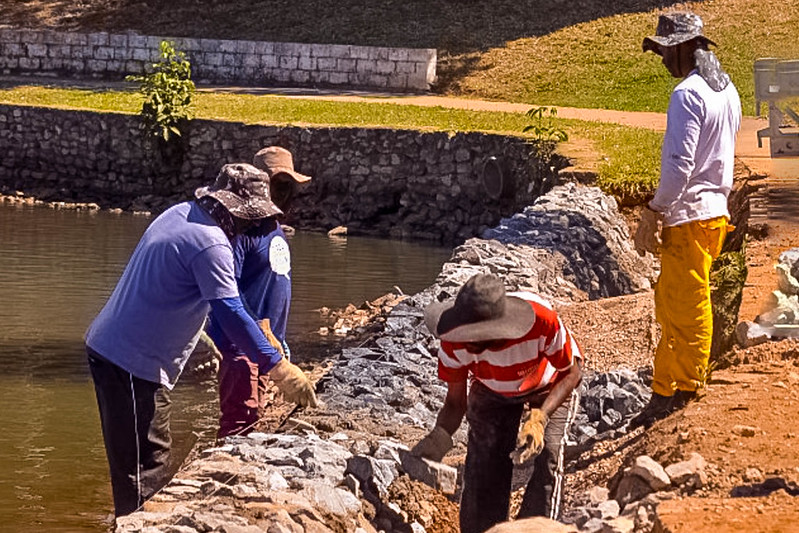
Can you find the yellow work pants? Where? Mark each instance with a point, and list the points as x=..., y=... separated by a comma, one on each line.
x=682, y=304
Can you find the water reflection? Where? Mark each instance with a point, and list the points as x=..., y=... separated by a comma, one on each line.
x=56, y=270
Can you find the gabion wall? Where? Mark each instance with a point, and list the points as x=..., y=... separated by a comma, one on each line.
x=384, y=182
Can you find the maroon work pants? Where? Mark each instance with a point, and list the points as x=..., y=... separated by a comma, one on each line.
x=241, y=395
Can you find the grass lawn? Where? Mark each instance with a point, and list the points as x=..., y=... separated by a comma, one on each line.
x=629, y=156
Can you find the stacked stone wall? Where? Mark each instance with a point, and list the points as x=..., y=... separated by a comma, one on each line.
x=249, y=63
x=383, y=182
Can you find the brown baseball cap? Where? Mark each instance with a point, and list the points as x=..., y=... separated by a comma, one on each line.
x=276, y=160
x=243, y=190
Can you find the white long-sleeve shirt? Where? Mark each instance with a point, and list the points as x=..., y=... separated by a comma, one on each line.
x=696, y=163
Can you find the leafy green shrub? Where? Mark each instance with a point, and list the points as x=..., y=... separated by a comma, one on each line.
x=727, y=278
x=543, y=127
x=167, y=92
x=545, y=138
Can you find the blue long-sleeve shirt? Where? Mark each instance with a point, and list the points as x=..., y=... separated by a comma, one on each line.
x=262, y=265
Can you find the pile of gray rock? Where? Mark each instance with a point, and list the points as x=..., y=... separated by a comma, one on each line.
x=630, y=504
x=579, y=237
x=289, y=483
x=780, y=317
x=608, y=400
x=393, y=378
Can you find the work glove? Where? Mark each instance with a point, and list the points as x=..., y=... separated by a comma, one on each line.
x=647, y=237
x=434, y=446
x=266, y=328
x=293, y=383
x=211, y=356
x=530, y=440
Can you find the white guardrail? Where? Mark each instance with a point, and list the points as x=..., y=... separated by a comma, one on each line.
x=777, y=84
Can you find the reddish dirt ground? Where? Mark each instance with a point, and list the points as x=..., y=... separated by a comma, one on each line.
x=434, y=511
x=773, y=514
x=743, y=425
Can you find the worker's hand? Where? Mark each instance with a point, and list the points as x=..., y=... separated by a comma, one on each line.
x=293, y=383
x=647, y=237
x=206, y=354
x=434, y=446
x=530, y=440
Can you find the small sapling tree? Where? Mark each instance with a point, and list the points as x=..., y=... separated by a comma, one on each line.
x=168, y=92
x=545, y=138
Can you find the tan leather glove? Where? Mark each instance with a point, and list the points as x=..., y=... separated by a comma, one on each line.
x=530, y=440
x=647, y=237
x=293, y=383
x=434, y=446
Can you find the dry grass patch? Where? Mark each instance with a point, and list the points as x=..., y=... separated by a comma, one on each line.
x=600, y=63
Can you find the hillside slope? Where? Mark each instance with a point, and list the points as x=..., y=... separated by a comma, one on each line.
x=581, y=53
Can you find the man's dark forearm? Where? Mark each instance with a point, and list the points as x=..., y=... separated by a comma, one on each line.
x=242, y=330
x=454, y=408
x=450, y=418
x=563, y=389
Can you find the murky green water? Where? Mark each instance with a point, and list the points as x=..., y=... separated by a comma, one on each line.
x=56, y=270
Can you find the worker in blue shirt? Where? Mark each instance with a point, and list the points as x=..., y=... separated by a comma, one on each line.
x=263, y=272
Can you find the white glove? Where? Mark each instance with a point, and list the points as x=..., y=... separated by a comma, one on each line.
x=647, y=237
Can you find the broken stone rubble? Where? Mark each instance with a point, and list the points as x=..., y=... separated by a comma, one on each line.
x=608, y=401
x=632, y=504
x=780, y=316
x=571, y=245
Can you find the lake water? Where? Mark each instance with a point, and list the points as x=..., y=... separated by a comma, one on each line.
x=56, y=270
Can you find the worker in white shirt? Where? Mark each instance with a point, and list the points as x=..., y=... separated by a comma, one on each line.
x=690, y=205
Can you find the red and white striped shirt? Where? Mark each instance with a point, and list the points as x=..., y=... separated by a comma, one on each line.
x=533, y=362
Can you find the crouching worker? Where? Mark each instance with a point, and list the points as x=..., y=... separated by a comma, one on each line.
x=140, y=341
x=263, y=271
x=525, y=367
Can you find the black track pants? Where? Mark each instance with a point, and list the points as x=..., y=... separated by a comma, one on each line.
x=134, y=414
x=493, y=427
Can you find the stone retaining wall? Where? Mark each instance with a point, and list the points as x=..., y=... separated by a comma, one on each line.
x=383, y=182
x=112, y=56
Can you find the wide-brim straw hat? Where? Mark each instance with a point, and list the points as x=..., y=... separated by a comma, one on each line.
x=481, y=311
